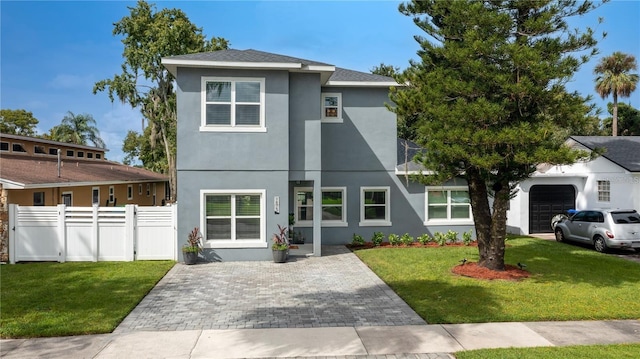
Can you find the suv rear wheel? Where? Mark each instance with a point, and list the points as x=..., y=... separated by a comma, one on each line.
x=599, y=244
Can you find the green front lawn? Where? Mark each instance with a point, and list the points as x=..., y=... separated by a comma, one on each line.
x=59, y=299
x=567, y=283
x=618, y=351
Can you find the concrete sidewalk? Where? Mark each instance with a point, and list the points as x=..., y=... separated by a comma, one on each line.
x=413, y=341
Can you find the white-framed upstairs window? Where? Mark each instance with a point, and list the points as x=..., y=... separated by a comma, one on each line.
x=447, y=205
x=233, y=104
x=334, y=206
x=375, y=206
x=604, y=191
x=233, y=218
x=67, y=198
x=112, y=196
x=130, y=192
x=331, y=107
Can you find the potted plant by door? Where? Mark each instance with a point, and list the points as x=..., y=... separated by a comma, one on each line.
x=193, y=247
x=280, y=246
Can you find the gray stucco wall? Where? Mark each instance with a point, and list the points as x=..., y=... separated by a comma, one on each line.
x=304, y=125
x=366, y=140
x=232, y=160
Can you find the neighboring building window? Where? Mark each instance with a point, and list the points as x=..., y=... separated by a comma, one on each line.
x=140, y=189
x=604, y=191
x=67, y=199
x=69, y=153
x=17, y=147
x=233, y=219
x=89, y=154
x=38, y=198
x=148, y=189
x=130, y=191
x=233, y=104
x=332, y=107
x=39, y=149
x=448, y=205
x=80, y=154
x=98, y=156
x=4, y=146
x=334, y=211
x=375, y=206
x=95, y=195
x=53, y=151
x=112, y=196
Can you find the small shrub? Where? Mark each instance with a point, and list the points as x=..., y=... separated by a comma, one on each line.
x=357, y=240
x=394, y=239
x=424, y=239
x=406, y=239
x=440, y=238
x=466, y=237
x=452, y=236
x=377, y=238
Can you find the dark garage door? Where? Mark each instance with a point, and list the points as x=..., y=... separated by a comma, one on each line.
x=545, y=201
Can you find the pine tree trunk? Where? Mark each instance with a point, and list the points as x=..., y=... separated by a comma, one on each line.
x=490, y=227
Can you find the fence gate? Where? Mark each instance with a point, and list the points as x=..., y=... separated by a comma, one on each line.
x=92, y=233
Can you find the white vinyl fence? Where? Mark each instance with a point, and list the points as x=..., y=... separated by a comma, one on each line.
x=92, y=233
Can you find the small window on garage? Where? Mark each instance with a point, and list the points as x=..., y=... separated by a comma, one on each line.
x=89, y=154
x=53, y=151
x=4, y=146
x=80, y=154
x=39, y=149
x=70, y=153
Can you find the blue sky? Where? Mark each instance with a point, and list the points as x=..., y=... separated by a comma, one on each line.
x=52, y=52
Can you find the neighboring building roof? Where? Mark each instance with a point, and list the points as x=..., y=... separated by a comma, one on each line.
x=21, y=171
x=621, y=150
x=29, y=169
x=406, y=151
x=6, y=136
x=232, y=58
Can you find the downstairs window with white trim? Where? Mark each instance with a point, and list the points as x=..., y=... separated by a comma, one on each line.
x=233, y=219
x=447, y=205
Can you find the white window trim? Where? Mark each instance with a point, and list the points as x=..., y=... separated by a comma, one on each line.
x=376, y=223
x=148, y=190
x=323, y=223
x=440, y=221
x=130, y=192
x=261, y=243
x=232, y=127
x=598, y=191
x=331, y=119
x=112, y=194
x=95, y=189
x=140, y=189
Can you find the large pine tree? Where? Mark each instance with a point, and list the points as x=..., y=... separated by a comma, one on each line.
x=489, y=96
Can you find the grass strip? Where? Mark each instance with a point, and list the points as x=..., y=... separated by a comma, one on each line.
x=567, y=283
x=73, y=298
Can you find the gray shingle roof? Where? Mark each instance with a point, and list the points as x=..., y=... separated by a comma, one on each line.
x=350, y=75
x=230, y=56
x=249, y=55
x=621, y=150
x=406, y=150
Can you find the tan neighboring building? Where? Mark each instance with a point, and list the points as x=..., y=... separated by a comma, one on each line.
x=39, y=172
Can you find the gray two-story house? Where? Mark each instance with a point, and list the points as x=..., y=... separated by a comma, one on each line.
x=262, y=135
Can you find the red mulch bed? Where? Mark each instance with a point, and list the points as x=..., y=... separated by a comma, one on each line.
x=369, y=245
x=473, y=270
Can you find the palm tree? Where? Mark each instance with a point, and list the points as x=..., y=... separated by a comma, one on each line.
x=614, y=77
x=78, y=129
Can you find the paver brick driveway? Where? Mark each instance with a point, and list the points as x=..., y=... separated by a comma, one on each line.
x=335, y=290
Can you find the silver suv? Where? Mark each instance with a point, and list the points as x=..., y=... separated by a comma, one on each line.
x=603, y=228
